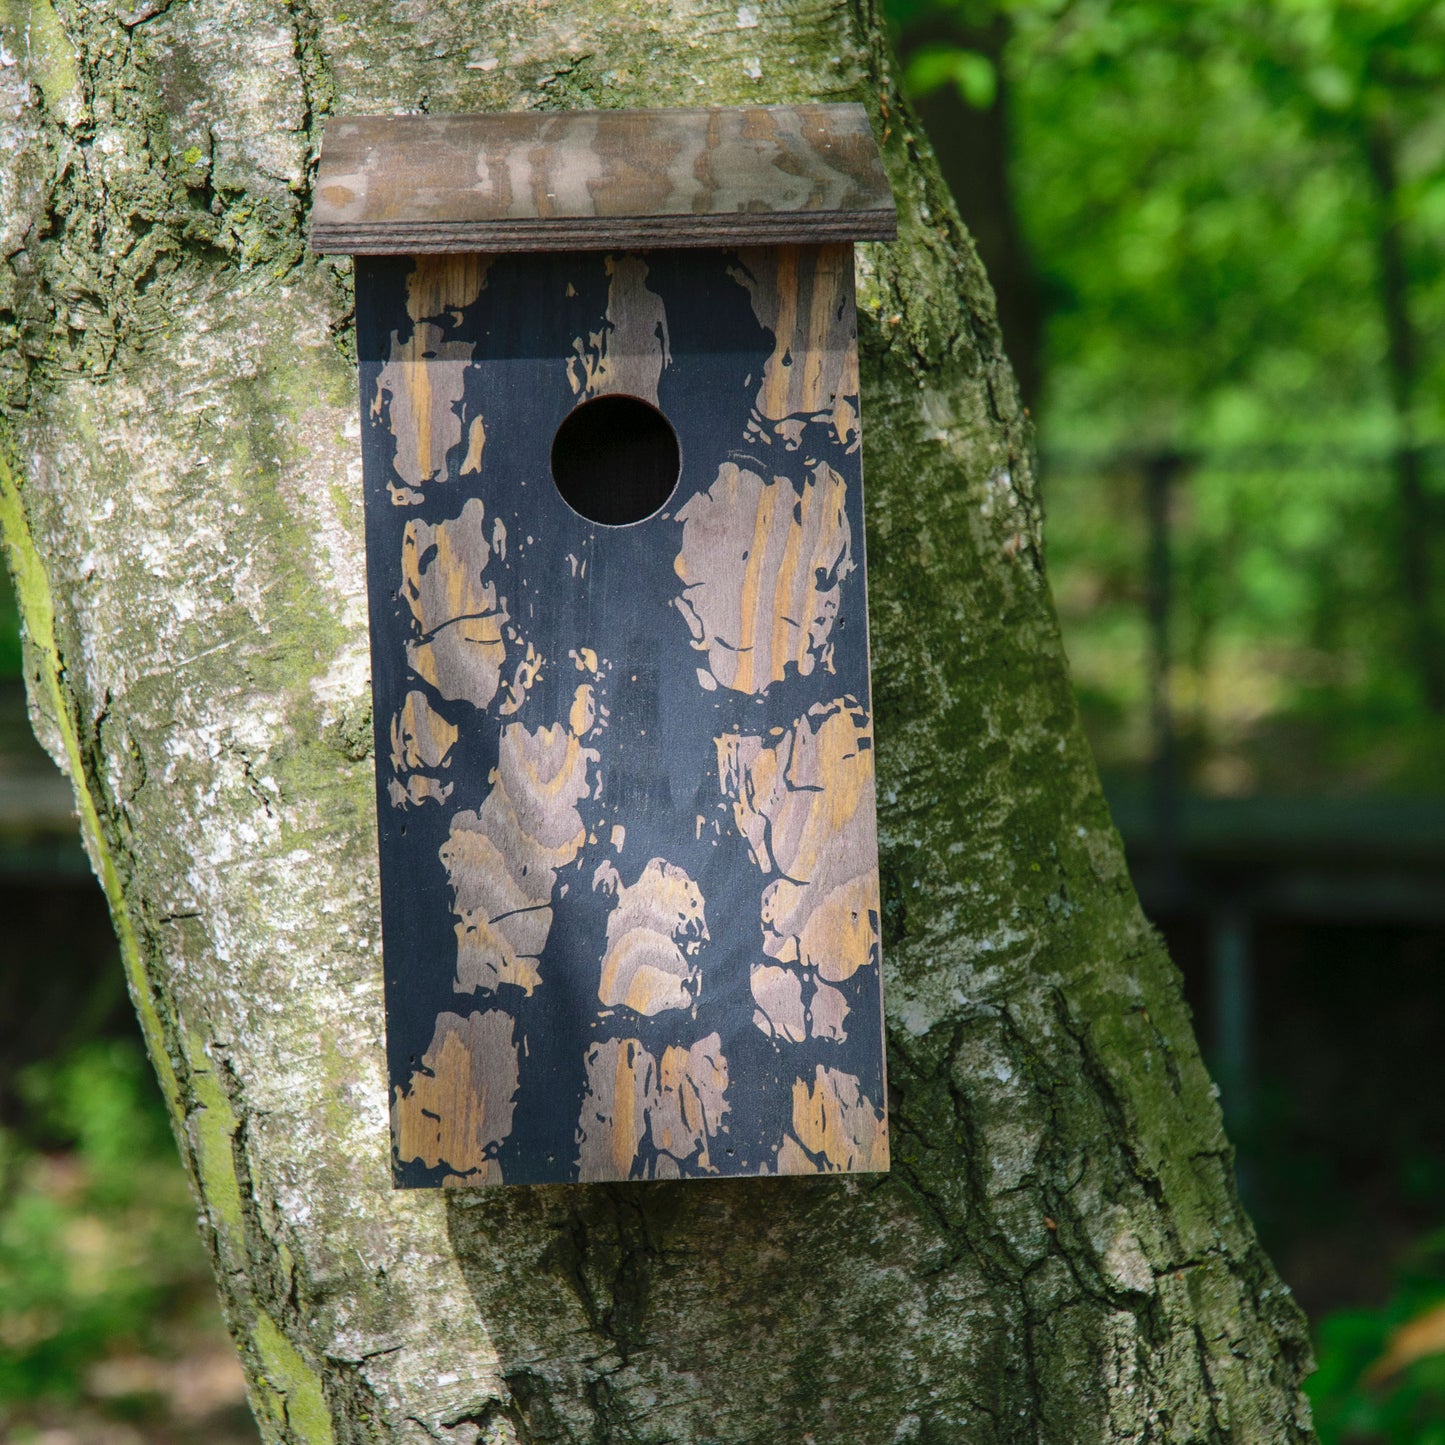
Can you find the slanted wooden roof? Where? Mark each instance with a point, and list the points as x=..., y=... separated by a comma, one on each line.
x=595, y=180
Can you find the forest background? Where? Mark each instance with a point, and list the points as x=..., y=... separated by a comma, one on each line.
x=1217, y=235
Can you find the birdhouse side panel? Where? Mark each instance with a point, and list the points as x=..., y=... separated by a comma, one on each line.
x=624, y=773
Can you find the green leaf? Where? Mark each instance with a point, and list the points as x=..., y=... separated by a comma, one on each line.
x=935, y=66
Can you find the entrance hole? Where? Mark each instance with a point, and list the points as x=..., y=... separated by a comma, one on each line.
x=615, y=460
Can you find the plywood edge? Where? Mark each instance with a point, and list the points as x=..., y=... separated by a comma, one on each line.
x=402, y=238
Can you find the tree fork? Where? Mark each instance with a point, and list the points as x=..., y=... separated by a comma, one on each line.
x=1058, y=1254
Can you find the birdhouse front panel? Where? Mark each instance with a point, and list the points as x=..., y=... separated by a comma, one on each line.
x=624, y=743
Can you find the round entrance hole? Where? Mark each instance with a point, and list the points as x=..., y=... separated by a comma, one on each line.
x=615, y=460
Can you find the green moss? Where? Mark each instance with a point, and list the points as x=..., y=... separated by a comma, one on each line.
x=213, y=1124
x=37, y=616
x=45, y=45
x=303, y=1402
x=276, y=404
x=286, y=1391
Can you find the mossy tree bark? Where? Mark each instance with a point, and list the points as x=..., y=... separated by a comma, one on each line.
x=1058, y=1254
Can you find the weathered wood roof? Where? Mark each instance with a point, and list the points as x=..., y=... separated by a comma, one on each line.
x=600, y=180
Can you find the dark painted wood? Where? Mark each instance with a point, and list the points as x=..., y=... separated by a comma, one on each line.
x=624, y=773
x=600, y=180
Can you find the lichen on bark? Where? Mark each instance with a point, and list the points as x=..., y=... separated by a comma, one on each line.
x=1058, y=1253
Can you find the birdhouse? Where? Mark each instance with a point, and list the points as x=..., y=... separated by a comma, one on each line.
x=614, y=533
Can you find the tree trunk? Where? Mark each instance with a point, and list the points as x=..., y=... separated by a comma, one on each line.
x=1415, y=521
x=1058, y=1254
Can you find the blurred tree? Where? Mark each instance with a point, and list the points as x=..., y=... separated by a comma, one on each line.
x=1370, y=75
x=1058, y=1253
x=960, y=83
x=9, y=633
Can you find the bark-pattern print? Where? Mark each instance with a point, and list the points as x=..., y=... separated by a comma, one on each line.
x=654, y=931
x=457, y=1107
x=502, y=860
x=639, y=852
x=421, y=751
x=795, y=1005
x=629, y=352
x=811, y=374
x=420, y=389
x=762, y=566
x=805, y=804
x=650, y=1118
x=457, y=644
x=835, y=1128
x=803, y=796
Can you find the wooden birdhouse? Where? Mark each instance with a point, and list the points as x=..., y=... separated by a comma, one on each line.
x=624, y=750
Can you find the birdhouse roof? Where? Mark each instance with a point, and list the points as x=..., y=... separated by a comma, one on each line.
x=600, y=180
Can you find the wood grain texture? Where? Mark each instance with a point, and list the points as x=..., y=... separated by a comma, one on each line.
x=502, y=860
x=421, y=383
x=626, y=793
x=654, y=932
x=650, y=1118
x=421, y=746
x=761, y=569
x=457, y=640
x=629, y=351
x=457, y=1107
x=600, y=180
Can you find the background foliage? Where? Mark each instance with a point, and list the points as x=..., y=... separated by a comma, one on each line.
x=1234, y=219
x=109, y=1330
